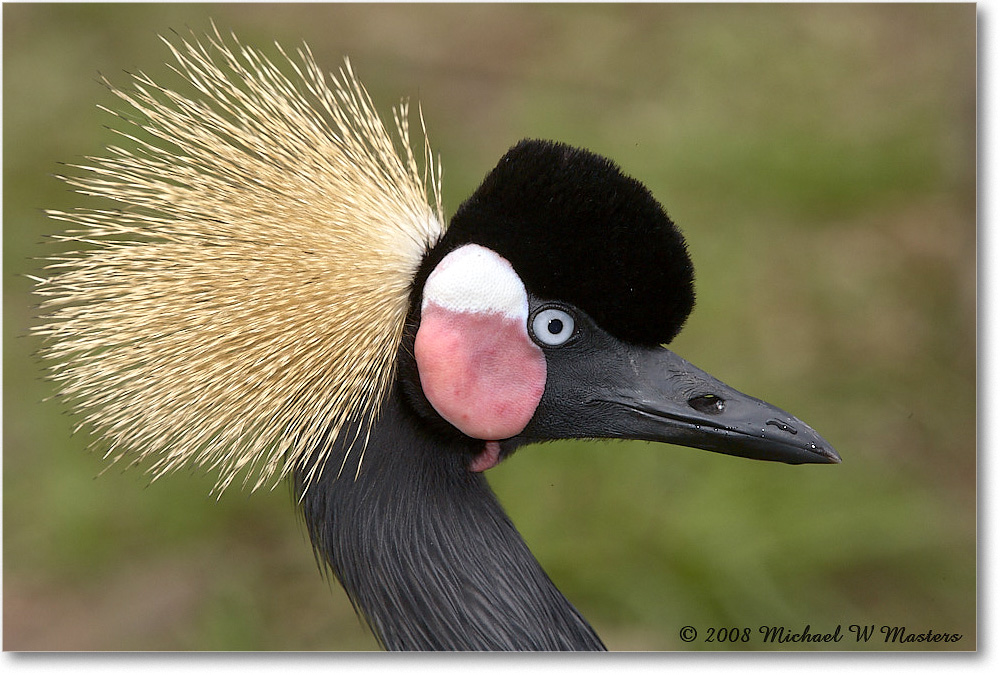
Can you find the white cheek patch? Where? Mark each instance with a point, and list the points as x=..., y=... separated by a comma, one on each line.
x=474, y=279
x=478, y=367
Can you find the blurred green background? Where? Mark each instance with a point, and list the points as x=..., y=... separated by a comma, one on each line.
x=821, y=161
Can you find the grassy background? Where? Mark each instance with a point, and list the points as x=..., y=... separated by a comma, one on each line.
x=821, y=161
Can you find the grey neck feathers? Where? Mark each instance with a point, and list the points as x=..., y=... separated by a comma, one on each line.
x=426, y=553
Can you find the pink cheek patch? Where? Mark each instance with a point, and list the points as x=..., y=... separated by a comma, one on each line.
x=480, y=371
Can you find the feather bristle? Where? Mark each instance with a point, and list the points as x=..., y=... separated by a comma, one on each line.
x=246, y=299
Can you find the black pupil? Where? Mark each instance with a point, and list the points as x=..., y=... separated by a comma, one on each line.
x=555, y=326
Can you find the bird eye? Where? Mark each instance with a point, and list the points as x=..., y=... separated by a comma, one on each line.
x=552, y=327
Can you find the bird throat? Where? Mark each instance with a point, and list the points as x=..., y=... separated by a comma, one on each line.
x=424, y=550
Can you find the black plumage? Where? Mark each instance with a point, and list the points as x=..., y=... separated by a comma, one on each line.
x=577, y=229
x=424, y=550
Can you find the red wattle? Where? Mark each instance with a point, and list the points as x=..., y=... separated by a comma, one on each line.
x=487, y=459
x=480, y=371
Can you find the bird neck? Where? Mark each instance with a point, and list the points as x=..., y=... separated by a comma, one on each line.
x=425, y=551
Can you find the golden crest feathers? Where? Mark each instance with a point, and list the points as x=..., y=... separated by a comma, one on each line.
x=244, y=298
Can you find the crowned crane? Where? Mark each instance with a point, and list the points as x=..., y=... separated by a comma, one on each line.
x=275, y=295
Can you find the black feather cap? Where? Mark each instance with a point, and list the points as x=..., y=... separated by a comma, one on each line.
x=578, y=230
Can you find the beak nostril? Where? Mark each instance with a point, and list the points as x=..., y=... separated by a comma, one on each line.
x=709, y=404
x=782, y=425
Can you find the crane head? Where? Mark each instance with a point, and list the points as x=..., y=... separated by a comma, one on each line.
x=543, y=308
